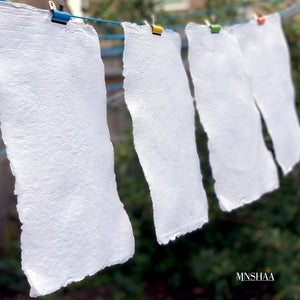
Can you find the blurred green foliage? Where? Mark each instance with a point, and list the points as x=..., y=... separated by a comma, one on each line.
x=203, y=264
x=120, y=10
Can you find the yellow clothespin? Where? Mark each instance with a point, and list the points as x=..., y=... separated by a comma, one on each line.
x=157, y=30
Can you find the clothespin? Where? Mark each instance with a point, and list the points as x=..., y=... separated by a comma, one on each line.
x=58, y=16
x=260, y=20
x=157, y=30
x=215, y=28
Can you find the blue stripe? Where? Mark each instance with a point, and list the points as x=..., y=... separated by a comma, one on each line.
x=114, y=87
x=111, y=37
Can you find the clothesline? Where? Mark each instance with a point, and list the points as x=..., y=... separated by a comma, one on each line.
x=189, y=15
x=200, y=13
x=96, y=20
x=181, y=27
x=292, y=10
x=118, y=50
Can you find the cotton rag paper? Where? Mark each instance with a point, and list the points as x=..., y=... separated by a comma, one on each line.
x=267, y=57
x=158, y=98
x=53, y=119
x=242, y=166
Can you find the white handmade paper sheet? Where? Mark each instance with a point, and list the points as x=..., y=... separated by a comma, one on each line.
x=267, y=57
x=53, y=120
x=158, y=98
x=242, y=166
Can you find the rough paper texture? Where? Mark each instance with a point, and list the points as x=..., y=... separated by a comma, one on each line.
x=53, y=118
x=242, y=166
x=267, y=57
x=158, y=97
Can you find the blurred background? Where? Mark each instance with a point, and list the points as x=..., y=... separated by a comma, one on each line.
x=200, y=265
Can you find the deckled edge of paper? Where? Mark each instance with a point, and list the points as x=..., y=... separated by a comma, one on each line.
x=171, y=236
x=228, y=207
x=35, y=293
x=287, y=170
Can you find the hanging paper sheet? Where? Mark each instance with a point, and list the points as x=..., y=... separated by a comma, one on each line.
x=158, y=98
x=53, y=118
x=267, y=57
x=242, y=166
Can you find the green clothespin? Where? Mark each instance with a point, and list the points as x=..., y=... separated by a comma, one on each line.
x=215, y=28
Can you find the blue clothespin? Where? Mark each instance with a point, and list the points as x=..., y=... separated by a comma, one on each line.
x=58, y=16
